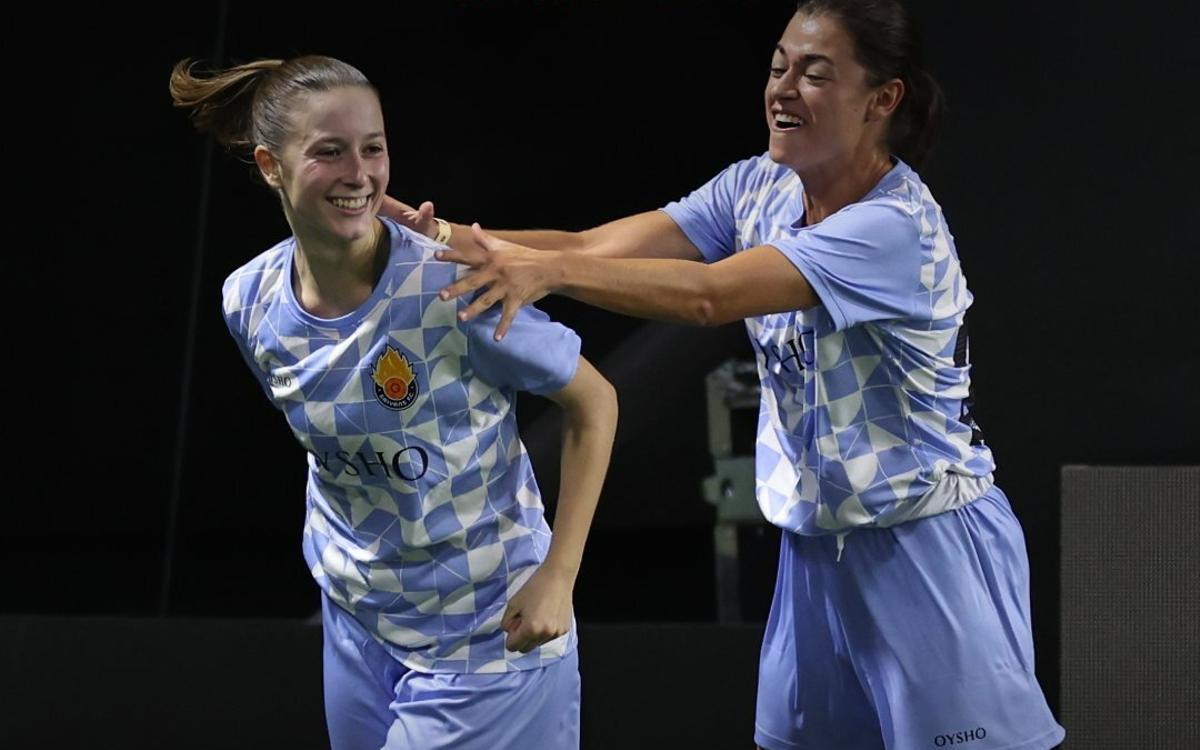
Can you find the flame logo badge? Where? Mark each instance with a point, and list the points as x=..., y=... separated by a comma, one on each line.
x=395, y=381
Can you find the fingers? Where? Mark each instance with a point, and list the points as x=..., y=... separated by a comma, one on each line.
x=472, y=259
x=482, y=238
x=480, y=305
x=464, y=285
x=486, y=277
x=418, y=219
x=528, y=636
x=511, y=308
x=511, y=618
x=423, y=219
x=511, y=624
x=475, y=254
x=394, y=209
x=516, y=639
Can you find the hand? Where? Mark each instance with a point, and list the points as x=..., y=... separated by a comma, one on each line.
x=540, y=611
x=417, y=219
x=512, y=273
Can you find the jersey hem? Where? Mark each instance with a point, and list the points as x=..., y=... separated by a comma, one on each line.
x=1043, y=741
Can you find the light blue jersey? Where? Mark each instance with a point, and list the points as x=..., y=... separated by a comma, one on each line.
x=424, y=517
x=865, y=417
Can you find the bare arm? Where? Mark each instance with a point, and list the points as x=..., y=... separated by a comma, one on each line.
x=541, y=610
x=756, y=281
x=651, y=234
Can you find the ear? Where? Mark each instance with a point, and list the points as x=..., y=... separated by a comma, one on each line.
x=268, y=166
x=885, y=100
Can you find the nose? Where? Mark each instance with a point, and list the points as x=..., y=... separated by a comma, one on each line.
x=356, y=169
x=785, y=86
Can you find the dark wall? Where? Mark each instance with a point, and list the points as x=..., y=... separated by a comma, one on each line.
x=143, y=690
x=1064, y=171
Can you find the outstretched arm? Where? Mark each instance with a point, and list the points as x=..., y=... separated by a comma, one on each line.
x=651, y=234
x=756, y=281
x=541, y=610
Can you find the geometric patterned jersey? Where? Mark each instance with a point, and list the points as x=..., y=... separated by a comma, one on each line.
x=423, y=514
x=865, y=416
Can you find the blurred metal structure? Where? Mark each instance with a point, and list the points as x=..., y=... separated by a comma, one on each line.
x=732, y=386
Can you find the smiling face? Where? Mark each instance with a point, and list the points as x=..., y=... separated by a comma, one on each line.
x=820, y=109
x=334, y=167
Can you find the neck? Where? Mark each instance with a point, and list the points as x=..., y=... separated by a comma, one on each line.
x=333, y=279
x=832, y=186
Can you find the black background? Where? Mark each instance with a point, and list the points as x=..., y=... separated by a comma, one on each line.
x=1065, y=172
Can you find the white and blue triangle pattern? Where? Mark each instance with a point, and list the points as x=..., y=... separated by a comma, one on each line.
x=423, y=514
x=865, y=415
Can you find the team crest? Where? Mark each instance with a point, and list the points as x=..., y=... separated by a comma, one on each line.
x=395, y=381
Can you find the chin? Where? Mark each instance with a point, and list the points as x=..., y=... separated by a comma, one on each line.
x=342, y=236
x=785, y=156
x=360, y=227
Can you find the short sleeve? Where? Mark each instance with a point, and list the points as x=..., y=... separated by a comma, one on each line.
x=864, y=262
x=537, y=355
x=233, y=313
x=706, y=215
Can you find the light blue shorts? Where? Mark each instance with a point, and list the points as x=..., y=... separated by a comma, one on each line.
x=919, y=638
x=373, y=701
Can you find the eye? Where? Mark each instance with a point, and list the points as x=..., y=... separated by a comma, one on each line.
x=374, y=149
x=777, y=71
x=815, y=78
x=329, y=152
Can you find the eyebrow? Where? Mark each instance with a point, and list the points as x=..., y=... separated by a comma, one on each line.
x=809, y=59
x=339, y=139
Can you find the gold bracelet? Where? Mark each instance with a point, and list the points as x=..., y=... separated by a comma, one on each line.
x=443, y=232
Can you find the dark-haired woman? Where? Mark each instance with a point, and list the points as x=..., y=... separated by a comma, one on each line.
x=447, y=602
x=901, y=612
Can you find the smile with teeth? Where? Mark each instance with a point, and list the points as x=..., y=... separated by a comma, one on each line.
x=784, y=121
x=350, y=203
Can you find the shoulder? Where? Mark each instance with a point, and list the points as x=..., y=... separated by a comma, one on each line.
x=412, y=245
x=758, y=171
x=416, y=278
x=411, y=249
x=749, y=174
x=747, y=183
x=256, y=280
x=899, y=210
x=903, y=197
